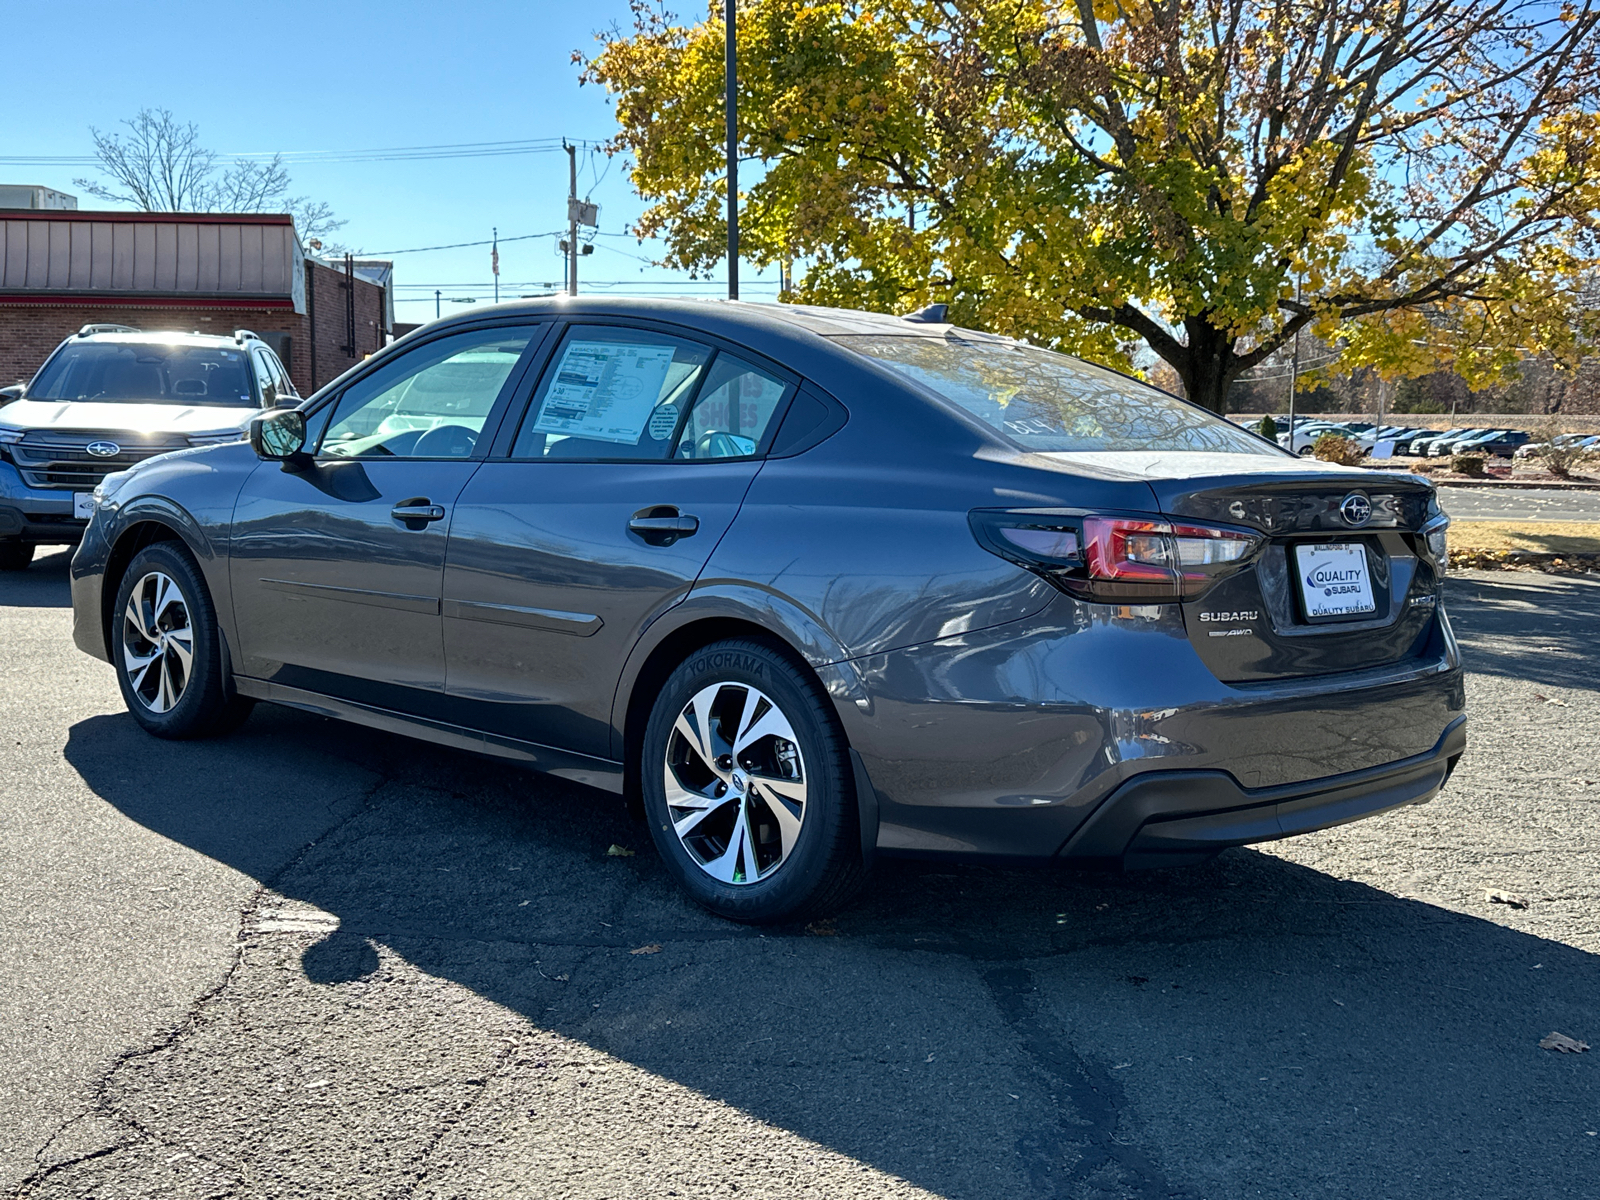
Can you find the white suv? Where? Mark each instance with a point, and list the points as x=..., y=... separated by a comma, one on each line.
x=111, y=396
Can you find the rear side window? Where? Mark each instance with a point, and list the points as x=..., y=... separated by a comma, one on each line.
x=1045, y=401
x=612, y=393
x=732, y=412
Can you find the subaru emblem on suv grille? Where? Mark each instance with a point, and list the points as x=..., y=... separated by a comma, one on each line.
x=109, y=449
x=1356, y=509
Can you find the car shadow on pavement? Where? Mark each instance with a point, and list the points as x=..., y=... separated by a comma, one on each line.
x=1247, y=1027
x=45, y=583
x=1527, y=625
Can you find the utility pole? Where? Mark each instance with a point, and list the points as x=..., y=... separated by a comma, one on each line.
x=494, y=261
x=436, y=295
x=572, y=220
x=731, y=112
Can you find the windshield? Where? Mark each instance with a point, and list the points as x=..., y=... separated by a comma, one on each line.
x=1046, y=401
x=146, y=373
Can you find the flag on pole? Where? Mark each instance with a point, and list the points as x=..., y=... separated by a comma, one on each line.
x=494, y=260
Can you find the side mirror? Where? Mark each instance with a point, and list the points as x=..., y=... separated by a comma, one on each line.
x=14, y=392
x=279, y=435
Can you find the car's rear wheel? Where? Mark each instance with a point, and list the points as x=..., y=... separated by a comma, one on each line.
x=748, y=789
x=15, y=554
x=167, y=648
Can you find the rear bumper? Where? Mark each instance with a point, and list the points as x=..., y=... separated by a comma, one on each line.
x=1166, y=818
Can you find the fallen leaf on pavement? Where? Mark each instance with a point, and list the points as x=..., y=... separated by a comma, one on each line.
x=1561, y=1042
x=616, y=851
x=650, y=949
x=822, y=929
x=1495, y=896
x=1550, y=700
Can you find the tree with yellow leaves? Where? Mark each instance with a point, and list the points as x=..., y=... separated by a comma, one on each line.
x=1415, y=181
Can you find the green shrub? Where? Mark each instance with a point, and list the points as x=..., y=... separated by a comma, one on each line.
x=1269, y=428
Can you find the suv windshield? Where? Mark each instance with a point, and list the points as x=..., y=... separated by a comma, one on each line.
x=1045, y=401
x=146, y=373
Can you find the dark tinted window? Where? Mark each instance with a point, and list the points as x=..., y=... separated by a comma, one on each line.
x=611, y=393
x=146, y=372
x=1046, y=401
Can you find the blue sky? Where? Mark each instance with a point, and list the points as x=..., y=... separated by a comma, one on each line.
x=334, y=76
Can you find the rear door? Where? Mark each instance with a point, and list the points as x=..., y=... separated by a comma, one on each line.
x=337, y=565
x=626, y=469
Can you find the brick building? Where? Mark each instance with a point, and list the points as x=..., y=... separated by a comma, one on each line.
x=195, y=272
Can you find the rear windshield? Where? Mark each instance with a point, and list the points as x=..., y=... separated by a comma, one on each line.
x=1046, y=401
x=146, y=373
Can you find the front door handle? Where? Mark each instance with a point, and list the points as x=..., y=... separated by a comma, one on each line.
x=663, y=524
x=417, y=512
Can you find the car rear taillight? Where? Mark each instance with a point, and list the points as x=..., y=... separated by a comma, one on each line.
x=1116, y=558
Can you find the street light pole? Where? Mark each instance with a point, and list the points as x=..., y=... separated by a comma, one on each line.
x=731, y=112
x=572, y=222
x=1294, y=374
x=436, y=294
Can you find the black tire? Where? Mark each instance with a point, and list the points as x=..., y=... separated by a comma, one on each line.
x=822, y=867
x=164, y=697
x=15, y=554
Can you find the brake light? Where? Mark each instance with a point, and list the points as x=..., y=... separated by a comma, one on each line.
x=1116, y=558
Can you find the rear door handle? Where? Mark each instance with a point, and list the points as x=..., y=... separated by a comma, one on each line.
x=417, y=512
x=663, y=524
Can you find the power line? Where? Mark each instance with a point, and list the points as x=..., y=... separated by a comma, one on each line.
x=378, y=154
x=522, y=237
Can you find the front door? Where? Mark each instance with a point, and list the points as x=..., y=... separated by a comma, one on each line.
x=630, y=465
x=337, y=566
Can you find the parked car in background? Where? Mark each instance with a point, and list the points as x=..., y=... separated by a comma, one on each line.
x=807, y=585
x=110, y=397
x=1501, y=443
x=1581, y=441
x=1422, y=447
x=1443, y=447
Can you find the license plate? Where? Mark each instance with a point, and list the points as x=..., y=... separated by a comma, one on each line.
x=83, y=505
x=1334, y=581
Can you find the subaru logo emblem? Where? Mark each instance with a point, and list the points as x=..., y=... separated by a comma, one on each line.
x=1356, y=509
x=103, y=449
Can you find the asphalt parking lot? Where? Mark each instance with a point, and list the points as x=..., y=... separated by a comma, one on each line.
x=1520, y=504
x=310, y=960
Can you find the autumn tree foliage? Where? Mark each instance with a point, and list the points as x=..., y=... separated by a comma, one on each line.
x=1413, y=180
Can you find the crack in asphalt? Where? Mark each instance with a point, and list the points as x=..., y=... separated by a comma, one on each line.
x=1080, y=1156
x=101, y=1101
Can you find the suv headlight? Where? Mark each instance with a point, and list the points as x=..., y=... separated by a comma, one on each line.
x=217, y=438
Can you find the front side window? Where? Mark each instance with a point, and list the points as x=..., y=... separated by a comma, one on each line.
x=146, y=373
x=1045, y=401
x=612, y=394
x=429, y=403
x=265, y=377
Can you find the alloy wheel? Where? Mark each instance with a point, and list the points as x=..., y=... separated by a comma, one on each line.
x=735, y=783
x=157, y=642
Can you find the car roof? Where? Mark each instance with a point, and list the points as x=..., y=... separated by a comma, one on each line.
x=727, y=316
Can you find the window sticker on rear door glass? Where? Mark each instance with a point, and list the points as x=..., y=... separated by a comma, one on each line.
x=604, y=391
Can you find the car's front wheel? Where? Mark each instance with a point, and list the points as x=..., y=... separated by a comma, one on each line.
x=167, y=648
x=748, y=789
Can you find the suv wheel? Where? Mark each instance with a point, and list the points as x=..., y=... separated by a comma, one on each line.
x=167, y=648
x=15, y=554
x=747, y=787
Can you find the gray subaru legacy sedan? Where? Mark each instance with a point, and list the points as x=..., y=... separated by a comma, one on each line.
x=806, y=586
